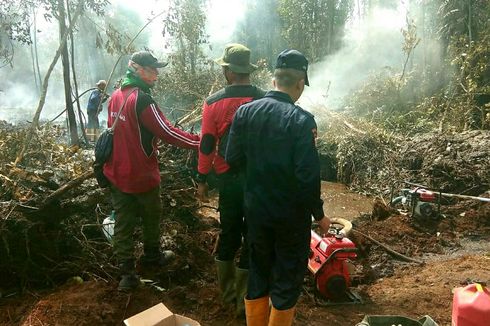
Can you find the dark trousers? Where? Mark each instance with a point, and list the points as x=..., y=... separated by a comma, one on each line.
x=93, y=119
x=232, y=221
x=131, y=211
x=278, y=259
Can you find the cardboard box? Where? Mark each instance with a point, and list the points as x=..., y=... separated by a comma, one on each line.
x=159, y=315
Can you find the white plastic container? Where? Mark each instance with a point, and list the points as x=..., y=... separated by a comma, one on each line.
x=108, y=225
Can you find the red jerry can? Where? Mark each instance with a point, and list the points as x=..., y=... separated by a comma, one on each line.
x=471, y=306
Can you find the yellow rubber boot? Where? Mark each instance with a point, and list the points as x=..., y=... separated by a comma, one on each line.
x=282, y=317
x=257, y=311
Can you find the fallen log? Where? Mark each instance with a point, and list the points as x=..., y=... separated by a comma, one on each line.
x=68, y=186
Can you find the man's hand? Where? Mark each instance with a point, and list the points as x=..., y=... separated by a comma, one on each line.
x=324, y=224
x=202, y=192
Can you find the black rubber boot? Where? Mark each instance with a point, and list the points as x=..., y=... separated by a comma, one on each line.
x=129, y=280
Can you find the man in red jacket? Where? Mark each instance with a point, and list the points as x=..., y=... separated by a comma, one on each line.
x=218, y=112
x=133, y=167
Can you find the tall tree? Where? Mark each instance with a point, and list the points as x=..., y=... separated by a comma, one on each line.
x=260, y=30
x=18, y=13
x=314, y=26
x=65, y=60
x=185, y=24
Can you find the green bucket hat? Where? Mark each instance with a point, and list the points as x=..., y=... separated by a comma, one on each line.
x=237, y=58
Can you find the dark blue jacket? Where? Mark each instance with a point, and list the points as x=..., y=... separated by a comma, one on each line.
x=94, y=100
x=273, y=140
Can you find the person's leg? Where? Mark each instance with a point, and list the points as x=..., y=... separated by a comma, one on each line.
x=261, y=249
x=229, y=240
x=151, y=212
x=126, y=209
x=291, y=250
x=231, y=218
x=261, y=241
x=90, y=130
x=150, y=216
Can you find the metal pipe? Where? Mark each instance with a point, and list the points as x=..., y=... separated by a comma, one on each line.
x=445, y=194
x=483, y=199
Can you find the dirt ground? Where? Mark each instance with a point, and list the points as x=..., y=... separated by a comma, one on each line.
x=455, y=249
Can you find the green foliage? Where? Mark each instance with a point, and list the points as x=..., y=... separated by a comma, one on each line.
x=192, y=76
x=185, y=28
x=314, y=27
x=262, y=77
x=471, y=82
x=119, y=30
x=186, y=82
x=361, y=150
x=462, y=17
x=260, y=30
x=422, y=99
x=181, y=94
x=16, y=18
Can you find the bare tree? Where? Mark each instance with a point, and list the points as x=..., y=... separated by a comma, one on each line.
x=44, y=89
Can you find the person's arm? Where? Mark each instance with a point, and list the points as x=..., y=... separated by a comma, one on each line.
x=105, y=96
x=324, y=224
x=235, y=154
x=155, y=121
x=207, y=146
x=207, y=151
x=307, y=168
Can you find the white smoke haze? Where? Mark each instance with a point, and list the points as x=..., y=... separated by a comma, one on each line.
x=222, y=18
x=369, y=46
x=18, y=95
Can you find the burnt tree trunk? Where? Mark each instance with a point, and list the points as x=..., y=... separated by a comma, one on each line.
x=65, y=60
x=75, y=83
x=44, y=89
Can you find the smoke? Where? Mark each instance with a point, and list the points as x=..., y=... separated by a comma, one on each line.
x=369, y=45
x=222, y=18
x=19, y=93
x=19, y=97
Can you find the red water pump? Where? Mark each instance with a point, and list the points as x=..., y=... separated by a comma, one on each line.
x=328, y=261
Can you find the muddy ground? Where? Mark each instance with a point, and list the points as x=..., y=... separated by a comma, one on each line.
x=454, y=249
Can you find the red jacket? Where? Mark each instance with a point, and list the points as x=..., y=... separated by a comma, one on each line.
x=217, y=115
x=133, y=166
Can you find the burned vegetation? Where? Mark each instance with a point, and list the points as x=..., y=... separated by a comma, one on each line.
x=52, y=231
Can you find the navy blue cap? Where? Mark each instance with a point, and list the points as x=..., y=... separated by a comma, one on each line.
x=146, y=59
x=293, y=59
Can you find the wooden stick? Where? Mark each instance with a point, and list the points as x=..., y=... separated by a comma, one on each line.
x=389, y=250
x=68, y=186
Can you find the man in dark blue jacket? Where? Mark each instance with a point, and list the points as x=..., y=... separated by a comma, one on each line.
x=94, y=106
x=273, y=140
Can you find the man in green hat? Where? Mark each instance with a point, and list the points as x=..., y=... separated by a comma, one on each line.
x=218, y=112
